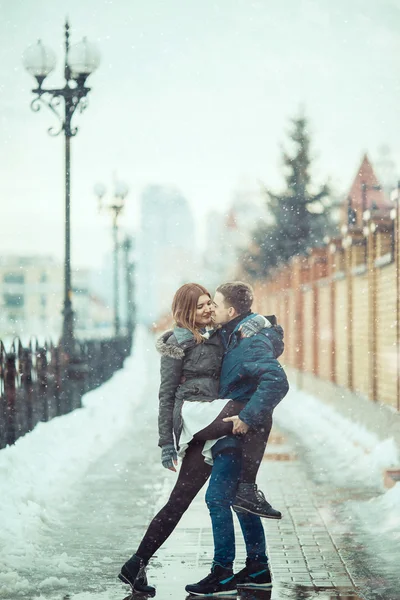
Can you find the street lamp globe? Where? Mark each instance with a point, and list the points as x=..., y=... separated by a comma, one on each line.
x=39, y=61
x=83, y=59
x=121, y=190
x=100, y=190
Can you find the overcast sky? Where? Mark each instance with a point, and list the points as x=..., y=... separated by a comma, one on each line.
x=193, y=93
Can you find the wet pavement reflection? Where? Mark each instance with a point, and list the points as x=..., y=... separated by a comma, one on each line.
x=305, y=593
x=281, y=593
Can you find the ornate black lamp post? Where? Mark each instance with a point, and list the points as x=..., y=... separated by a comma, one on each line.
x=129, y=270
x=115, y=206
x=80, y=61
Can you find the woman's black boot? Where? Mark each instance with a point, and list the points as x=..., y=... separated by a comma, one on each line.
x=134, y=574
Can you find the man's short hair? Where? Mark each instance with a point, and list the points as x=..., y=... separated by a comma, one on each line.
x=238, y=294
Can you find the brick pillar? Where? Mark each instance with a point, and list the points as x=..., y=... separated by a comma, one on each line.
x=349, y=281
x=384, y=237
x=331, y=262
x=297, y=316
x=314, y=327
x=300, y=276
x=371, y=237
x=274, y=292
x=396, y=216
x=356, y=256
x=258, y=294
x=318, y=270
x=287, y=320
x=397, y=236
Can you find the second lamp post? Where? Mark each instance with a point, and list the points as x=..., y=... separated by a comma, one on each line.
x=115, y=206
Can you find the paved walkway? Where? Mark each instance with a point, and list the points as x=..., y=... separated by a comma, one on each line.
x=317, y=551
x=306, y=549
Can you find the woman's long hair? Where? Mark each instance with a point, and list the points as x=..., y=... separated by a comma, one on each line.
x=184, y=307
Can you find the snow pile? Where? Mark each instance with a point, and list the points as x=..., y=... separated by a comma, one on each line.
x=391, y=499
x=38, y=473
x=384, y=513
x=380, y=522
x=347, y=453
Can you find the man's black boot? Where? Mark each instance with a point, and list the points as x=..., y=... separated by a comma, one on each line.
x=134, y=574
x=251, y=500
x=255, y=575
x=220, y=582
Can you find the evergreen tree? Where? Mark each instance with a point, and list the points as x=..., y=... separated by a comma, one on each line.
x=300, y=218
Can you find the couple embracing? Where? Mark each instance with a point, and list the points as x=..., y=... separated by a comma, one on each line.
x=220, y=381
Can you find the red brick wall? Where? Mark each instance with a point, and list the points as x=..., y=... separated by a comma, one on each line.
x=370, y=322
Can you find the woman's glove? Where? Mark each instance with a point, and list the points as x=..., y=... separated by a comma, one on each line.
x=254, y=325
x=169, y=457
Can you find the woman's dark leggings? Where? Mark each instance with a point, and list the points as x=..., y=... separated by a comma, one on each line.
x=194, y=472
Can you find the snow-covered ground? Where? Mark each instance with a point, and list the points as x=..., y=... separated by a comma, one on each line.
x=347, y=455
x=38, y=475
x=342, y=450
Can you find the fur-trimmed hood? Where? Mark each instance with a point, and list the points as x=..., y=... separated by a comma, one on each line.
x=168, y=345
x=174, y=342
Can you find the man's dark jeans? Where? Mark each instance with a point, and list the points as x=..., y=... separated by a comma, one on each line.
x=221, y=492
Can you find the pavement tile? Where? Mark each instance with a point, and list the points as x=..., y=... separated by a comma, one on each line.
x=302, y=537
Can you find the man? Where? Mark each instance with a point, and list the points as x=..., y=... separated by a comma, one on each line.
x=252, y=375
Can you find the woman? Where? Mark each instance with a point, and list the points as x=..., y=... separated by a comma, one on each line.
x=189, y=409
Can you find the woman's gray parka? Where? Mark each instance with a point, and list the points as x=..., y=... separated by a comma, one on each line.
x=189, y=371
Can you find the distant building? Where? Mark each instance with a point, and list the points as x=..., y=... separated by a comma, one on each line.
x=228, y=234
x=32, y=295
x=366, y=193
x=216, y=260
x=166, y=250
x=93, y=313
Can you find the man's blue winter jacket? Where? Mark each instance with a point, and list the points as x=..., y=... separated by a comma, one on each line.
x=251, y=373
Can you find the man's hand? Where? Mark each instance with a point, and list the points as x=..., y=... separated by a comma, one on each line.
x=238, y=425
x=169, y=457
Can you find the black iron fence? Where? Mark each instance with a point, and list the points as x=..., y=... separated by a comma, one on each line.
x=39, y=382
